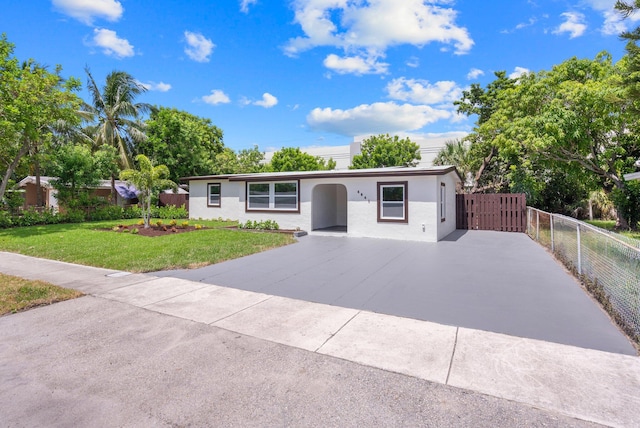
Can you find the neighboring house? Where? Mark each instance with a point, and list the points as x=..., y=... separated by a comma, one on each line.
x=416, y=204
x=430, y=145
x=49, y=193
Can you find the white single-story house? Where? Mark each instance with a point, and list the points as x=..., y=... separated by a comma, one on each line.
x=415, y=204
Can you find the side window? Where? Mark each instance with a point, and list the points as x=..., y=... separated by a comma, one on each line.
x=393, y=202
x=213, y=195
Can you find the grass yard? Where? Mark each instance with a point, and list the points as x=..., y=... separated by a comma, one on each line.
x=610, y=225
x=17, y=294
x=88, y=244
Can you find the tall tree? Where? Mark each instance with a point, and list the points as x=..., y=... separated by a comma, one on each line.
x=488, y=170
x=293, y=159
x=381, y=151
x=186, y=144
x=574, y=116
x=147, y=179
x=32, y=100
x=116, y=115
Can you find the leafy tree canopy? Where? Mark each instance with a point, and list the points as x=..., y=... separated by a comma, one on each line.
x=293, y=159
x=243, y=162
x=186, y=144
x=32, y=100
x=384, y=151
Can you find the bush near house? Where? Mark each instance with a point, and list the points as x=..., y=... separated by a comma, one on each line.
x=31, y=217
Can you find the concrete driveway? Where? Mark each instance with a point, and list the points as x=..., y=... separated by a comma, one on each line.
x=492, y=281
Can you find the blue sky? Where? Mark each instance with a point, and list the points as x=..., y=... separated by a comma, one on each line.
x=302, y=73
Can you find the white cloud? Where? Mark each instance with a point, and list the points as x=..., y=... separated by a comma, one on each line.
x=198, y=46
x=111, y=44
x=613, y=23
x=153, y=86
x=216, y=97
x=373, y=26
x=518, y=71
x=474, y=73
x=86, y=11
x=355, y=65
x=573, y=24
x=422, y=92
x=267, y=101
x=413, y=62
x=375, y=118
x=244, y=5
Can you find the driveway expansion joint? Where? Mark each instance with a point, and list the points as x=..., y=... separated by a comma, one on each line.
x=337, y=331
x=453, y=353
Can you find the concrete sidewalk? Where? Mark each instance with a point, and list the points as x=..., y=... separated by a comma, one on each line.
x=586, y=384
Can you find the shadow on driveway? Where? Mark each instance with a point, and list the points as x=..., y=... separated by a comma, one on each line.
x=493, y=281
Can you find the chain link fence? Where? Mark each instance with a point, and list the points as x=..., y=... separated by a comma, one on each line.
x=608, y=264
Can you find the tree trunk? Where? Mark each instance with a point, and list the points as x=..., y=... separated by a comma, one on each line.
x=485, y=164
x=621, y=221
x=36, y=171
x=7, y=175
x=114, y=198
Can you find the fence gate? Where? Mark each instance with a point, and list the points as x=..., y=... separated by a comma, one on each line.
x=506, y=212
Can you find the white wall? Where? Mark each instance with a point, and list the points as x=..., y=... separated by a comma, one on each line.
x=449, y=225
x=229, y=207
x=361, y=212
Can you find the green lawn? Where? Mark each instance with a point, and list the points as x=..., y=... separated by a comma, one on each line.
x=17, y=294
x=610, y=225
x=88, y=244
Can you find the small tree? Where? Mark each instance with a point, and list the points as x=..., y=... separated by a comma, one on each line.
x=383, y=151
x=293, y=159
x=146, y=180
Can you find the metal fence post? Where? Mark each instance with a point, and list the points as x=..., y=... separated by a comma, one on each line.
x=579, y=253
x=551, y=226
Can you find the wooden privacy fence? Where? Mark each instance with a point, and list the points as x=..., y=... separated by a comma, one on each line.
x=505, y=212
x=177, y=199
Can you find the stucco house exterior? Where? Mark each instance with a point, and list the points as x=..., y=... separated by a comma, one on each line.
x=415, y=204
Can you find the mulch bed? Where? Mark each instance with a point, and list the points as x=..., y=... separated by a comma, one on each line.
x=155, y=230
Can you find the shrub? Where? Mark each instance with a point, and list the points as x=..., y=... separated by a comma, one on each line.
x=5, y=219
x=173, y=222
x=169, y=212
x=260, y=225
x=184, y=224
x=159, y=223
x=109, y=212
x=134, y=231
x=198, y=226
x=74, y=216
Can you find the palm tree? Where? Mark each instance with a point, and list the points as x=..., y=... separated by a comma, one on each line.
x=146, y=179
x=115, y=115
x=457, y=153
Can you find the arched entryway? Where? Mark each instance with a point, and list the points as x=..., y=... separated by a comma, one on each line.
x=329, y=208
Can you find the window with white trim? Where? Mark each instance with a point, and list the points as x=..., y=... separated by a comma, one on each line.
x=213, y=194
x=443, y=201
x=273, y=196
x=393, y=202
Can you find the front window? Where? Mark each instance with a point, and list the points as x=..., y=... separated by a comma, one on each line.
x=392, y=202
x=275, y=196
x=213, y=192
